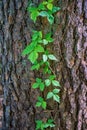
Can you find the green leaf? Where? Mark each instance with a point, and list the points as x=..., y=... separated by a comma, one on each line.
x=52, y=57
x=50, y=1
x=42, y=86
x=47, y=82
x=35, y=66
x=35, y=85
x=38, y=104
x=29, y=48
x=38, y=80
x=55, y=9
x=49, y=71
x=41, y=7
x=48, y=37
x=34, y=15
x=50, y=19
x=50, y=120
x=36, y=35
x=33, y=56
x=45, y=42
x=44, y=2
x=51, y=77
x=40, y=99
x=55, y=83
x=56, y=98
x=46, y=125
x=45, y=69
x=39, y=41
x=39, y=48
x=43, y=14
x=41, y=62
x=40, y=34
x=38, y=124
x=45, y=58
x=52, y=125
x=44, y=105
x=49, y=123
x=42, y=126
x=47, y=63
x=31, y=9
x=56, y=91
x=50, y=6
x=49, y=95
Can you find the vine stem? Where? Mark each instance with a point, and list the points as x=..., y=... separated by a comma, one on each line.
x=52, y=70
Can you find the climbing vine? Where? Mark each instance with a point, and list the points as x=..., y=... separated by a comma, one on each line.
x=41, y=57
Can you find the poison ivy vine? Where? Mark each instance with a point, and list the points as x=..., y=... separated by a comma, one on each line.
x=40, y=57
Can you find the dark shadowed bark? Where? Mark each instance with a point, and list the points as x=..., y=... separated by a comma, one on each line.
x=70, y=47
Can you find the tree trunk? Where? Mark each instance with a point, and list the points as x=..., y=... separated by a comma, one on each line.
x=70, y=46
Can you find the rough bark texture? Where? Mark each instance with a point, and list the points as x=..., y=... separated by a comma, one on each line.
x=72, y=47
x=70, y=34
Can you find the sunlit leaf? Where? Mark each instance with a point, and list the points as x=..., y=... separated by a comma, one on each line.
x=33, y=56
x=56, y=83
x=49, y=95
x=39, y=48
x=45, y=58
x=29, y=48
x=52, y=57
x=50, y=6
x=34, y=15
x=50, y=19
x=56, y=91
x=55, y=9
x=44, y=14
x=47, y=82
x=44, y=104
x=56, y=98
x=45, y=42
x=35, y=85
x=38, y=104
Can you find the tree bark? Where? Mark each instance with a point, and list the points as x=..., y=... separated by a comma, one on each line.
x=70, y=47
